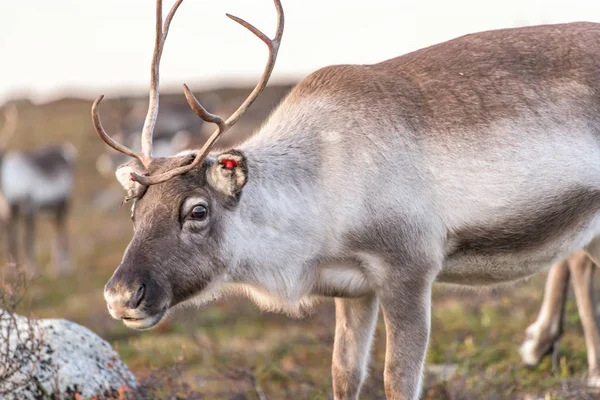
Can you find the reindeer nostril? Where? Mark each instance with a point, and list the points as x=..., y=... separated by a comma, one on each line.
x=137, y=298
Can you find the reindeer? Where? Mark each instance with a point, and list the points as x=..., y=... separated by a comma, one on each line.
x=543, y=335
x=32, y=182
x=472, y=162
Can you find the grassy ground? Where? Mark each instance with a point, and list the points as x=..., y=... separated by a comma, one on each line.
x=232, y=351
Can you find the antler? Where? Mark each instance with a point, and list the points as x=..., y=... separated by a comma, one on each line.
x=222, y=125
x=11, y=117
x=145, y=156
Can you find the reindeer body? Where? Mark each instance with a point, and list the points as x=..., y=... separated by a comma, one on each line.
x=449, y=145
x=475, y=161
x=38, y=181
x=41, y=178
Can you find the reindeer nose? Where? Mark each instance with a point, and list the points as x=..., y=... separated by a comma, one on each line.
x=137, y=298
x=121, y=303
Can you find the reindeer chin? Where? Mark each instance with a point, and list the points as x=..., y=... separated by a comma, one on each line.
x=143, y=324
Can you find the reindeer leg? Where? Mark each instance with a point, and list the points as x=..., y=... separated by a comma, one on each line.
x=354, y=327
x=61, y=250
x=406, y=306
x=543, y=334
x=5, y=221
x=12, y=235
x=582, y=270
x=30, y=248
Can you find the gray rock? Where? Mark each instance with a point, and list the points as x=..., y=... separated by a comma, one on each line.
x=58, y=357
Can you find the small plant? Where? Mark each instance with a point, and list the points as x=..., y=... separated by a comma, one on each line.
x=20, y=342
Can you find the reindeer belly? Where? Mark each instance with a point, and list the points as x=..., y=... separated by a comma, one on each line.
x=517, y=250
x=482, y=269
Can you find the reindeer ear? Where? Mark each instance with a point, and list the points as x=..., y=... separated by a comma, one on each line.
x=123, y=175
x=229, y=173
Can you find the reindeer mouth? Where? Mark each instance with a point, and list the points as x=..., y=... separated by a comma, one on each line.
x=145, y=323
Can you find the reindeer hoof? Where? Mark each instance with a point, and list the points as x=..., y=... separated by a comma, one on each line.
x=535, y=347
x=593, y=379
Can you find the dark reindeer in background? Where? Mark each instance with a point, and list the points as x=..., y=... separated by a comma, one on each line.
x=31, y=183
x=472, y=162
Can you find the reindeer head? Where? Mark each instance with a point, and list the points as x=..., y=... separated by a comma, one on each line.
x=182, y=205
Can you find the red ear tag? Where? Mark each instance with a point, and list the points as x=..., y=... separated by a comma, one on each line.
x=229, y=164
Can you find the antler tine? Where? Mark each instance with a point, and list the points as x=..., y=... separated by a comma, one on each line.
x=273, y=45
x=145, y=156
x=200, y=110
x=161, y=33
x=223, y=126
x=106, y=138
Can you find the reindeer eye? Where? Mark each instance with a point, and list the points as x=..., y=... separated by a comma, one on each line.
x=199, y=213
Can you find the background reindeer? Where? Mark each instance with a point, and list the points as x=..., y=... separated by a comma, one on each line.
x=32, y=182
x=542, y=336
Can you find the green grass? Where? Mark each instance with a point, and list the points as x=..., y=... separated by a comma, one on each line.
x=231, y=348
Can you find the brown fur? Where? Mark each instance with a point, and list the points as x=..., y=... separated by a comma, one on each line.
x=472, y=80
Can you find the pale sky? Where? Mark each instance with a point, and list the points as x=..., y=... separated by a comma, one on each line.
x=83, y=47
